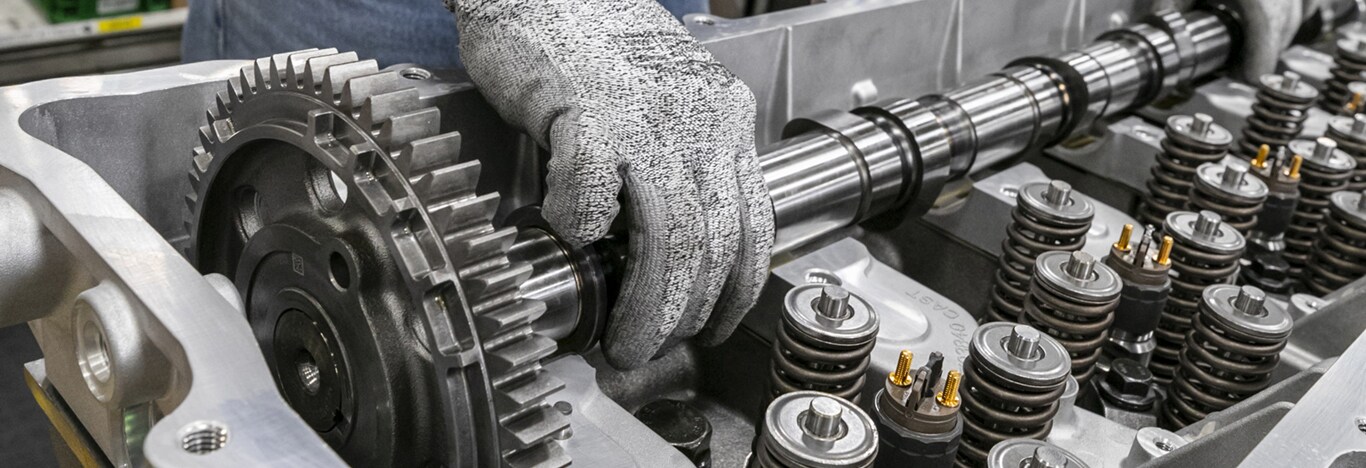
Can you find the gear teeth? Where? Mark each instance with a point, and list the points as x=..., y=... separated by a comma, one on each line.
x=504, y=319
x=446, y=183
x=462, y=214
x=360, y=89
x=403, y=129
x=533, y=427
x=298, y=64
x=426, y=153
x=482, y=246
x=542, y=456
x=336, y=77
x=316, y=68
x=407, y=134
x=381, y=107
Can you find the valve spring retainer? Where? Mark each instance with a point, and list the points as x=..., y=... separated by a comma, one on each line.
x=1205, y=251
x=1047, y=217
x=1349, y=61
x=1072, y=298
x=1190, y=141
x=813, y=429
x=1229, y=190
x=1229, y=354
x=1340, y=253
x=1350, y=135
x=1325, y=170
x=823, y=343
x=1013, y=378
x=1278, y=115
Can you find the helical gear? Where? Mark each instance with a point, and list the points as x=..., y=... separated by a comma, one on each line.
x=387, y=149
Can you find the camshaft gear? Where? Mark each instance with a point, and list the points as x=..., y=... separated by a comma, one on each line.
x=1325, y=170
x=1278, y=116
x=379, y=290
x=1205, y=251
x=1340, y=252
x=1046, y=218
x=1190, y=141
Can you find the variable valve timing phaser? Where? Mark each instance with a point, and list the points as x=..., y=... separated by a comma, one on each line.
x=1018, y=234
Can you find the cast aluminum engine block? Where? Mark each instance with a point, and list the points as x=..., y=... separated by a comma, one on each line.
x=355, y=272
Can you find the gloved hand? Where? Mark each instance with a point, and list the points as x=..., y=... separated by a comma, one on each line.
x=623, y=95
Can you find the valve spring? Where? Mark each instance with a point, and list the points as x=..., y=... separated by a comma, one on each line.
x=1278, y=115
x=1205, y=252
x=1231, y=192
x=823, y=343
x=1013, y=378
x=1190, y=141
x=1324, y=171
x=1340, y=253
x=1350, y=135
x=1046, y=218
x=1229, y=353
x=1072, y=298
x=1349, y=60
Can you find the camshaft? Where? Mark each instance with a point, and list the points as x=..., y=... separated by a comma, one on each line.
x=890, y=160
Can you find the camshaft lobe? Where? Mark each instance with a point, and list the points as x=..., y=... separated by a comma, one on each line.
x=1013, y=377
x=1278, y=115
x=1350, y=135
x=1046, y=218
x=1229, y=354
x=1072, y=298
x=1340, y=251
x=1190, y=142
x=1227, y=189
x=1205, y=251
x=1325, y=170
x=823, y=343
x=1349, y=61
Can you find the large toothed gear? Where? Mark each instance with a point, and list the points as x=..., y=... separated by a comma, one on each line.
x=380, y=291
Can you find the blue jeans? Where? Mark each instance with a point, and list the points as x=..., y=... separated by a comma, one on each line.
x=390, y=31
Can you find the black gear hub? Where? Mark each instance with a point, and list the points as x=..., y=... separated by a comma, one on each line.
x=378, y=289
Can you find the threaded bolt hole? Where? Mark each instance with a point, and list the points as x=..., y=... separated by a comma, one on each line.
x=1164, y=444
x=415, y=74
x=203, y=438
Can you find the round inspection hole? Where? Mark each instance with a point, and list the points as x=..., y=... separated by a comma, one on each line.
x=328, y=189
x=341, y=272
x=415, y=73
x=203, y=438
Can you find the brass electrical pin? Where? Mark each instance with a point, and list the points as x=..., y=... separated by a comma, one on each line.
x=1124, y=235
x=901, y=377
x=1294, y=171
x=1354, y=104
x=1260, y=161
x=1164, y=254
x=949, y=397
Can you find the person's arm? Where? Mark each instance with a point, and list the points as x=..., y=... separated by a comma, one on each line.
x=628, y=102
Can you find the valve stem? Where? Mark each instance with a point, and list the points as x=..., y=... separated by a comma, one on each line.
x=949, y=396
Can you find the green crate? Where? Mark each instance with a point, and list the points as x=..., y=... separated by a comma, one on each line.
x=59, y=11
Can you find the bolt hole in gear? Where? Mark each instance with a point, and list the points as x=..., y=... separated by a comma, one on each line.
x=368, y=266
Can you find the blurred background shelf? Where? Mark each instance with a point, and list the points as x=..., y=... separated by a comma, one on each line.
x=31, y=48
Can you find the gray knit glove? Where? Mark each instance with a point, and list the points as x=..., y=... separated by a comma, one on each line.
x=623, y=95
